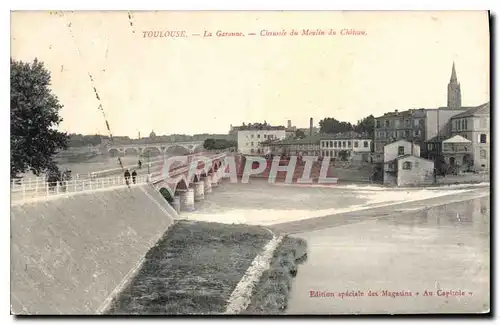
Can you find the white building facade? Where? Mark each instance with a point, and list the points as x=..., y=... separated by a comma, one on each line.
x=474, y=125
x=355, y=148
x=249, y=141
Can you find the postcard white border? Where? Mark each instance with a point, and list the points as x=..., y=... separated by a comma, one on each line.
x=492, y=5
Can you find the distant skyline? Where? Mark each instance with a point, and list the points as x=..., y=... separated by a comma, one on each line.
x=195, y=85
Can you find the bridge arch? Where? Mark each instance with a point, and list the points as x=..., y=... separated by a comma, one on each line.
x=151, y=151
x=181, y=185
x=196, y=178
x=114, y=152
x=131, y=152
x=177, y=150
x=197, y=148
x=167, y=195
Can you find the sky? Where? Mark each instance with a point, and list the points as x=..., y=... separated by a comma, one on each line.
x=195, y=84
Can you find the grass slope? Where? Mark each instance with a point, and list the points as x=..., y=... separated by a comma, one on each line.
x=193, y=269
x=271, y=294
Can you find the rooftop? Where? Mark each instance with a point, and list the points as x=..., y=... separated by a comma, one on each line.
x=315, y=139
x=457, y=139
x=474, y=111
x=408, y=113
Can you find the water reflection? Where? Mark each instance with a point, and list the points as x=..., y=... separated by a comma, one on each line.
x=470, y=213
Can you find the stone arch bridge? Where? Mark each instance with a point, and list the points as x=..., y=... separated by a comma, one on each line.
x=154, y=149
x=185, y=186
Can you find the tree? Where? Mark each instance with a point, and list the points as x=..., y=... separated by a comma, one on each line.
x=34, y=114
x=343, y=154
x=209, y=144
x=366, y=125
x=299, y=134
x=332, y=125
x=219, y=144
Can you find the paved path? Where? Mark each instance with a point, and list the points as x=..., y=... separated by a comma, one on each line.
x=399, y=251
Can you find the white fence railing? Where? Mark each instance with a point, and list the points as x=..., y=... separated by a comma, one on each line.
x=36, y=188
x=30, y=188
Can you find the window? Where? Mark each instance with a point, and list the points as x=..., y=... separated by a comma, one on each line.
x=378, y=123
x=348, y=144
x=258, y=136
x=408, y=123
x=343, y=144
x=331, y=144
x=251, y=151
x=365, y=144
x=463, y=124
x=335, y=144
x=407, y=133
x=356, y=144
x=457, y=124
x=482, y=154
x=251, y=136
x=482, y=138
x=401, y=150
x=407, y=165
x=416, y=122
x=387, y=123
x=265, y=136
x=251, y=144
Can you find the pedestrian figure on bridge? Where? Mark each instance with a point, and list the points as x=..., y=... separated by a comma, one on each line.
x=134, y=175
x=140, y=164
x=127, y=176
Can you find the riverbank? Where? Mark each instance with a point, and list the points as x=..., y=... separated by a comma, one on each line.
x=193, y=269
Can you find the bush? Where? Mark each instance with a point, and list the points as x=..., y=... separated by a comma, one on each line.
x=271, y=294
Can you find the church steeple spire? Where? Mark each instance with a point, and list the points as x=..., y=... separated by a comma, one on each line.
x=453, y=78
x=454, y=91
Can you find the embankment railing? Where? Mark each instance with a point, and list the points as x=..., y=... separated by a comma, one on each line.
x=38, y=188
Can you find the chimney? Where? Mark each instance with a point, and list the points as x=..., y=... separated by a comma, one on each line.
x=311, y=126
x=289, y=124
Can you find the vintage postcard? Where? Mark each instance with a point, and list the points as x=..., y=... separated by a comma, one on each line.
x=250, y=162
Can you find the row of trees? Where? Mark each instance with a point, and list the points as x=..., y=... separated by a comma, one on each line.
x=259, y=126
x=332, y=125
x=219, y=144
x=79, y=140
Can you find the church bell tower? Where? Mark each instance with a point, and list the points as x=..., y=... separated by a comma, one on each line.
x=454, y=92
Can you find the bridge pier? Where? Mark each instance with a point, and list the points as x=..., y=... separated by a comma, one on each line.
x=199, y=191
x=186, y=199
x=214, y=179
x=208, y=184
x=176, y=204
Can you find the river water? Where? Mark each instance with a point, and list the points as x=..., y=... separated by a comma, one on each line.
x=390, y=242
x=417, y=257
